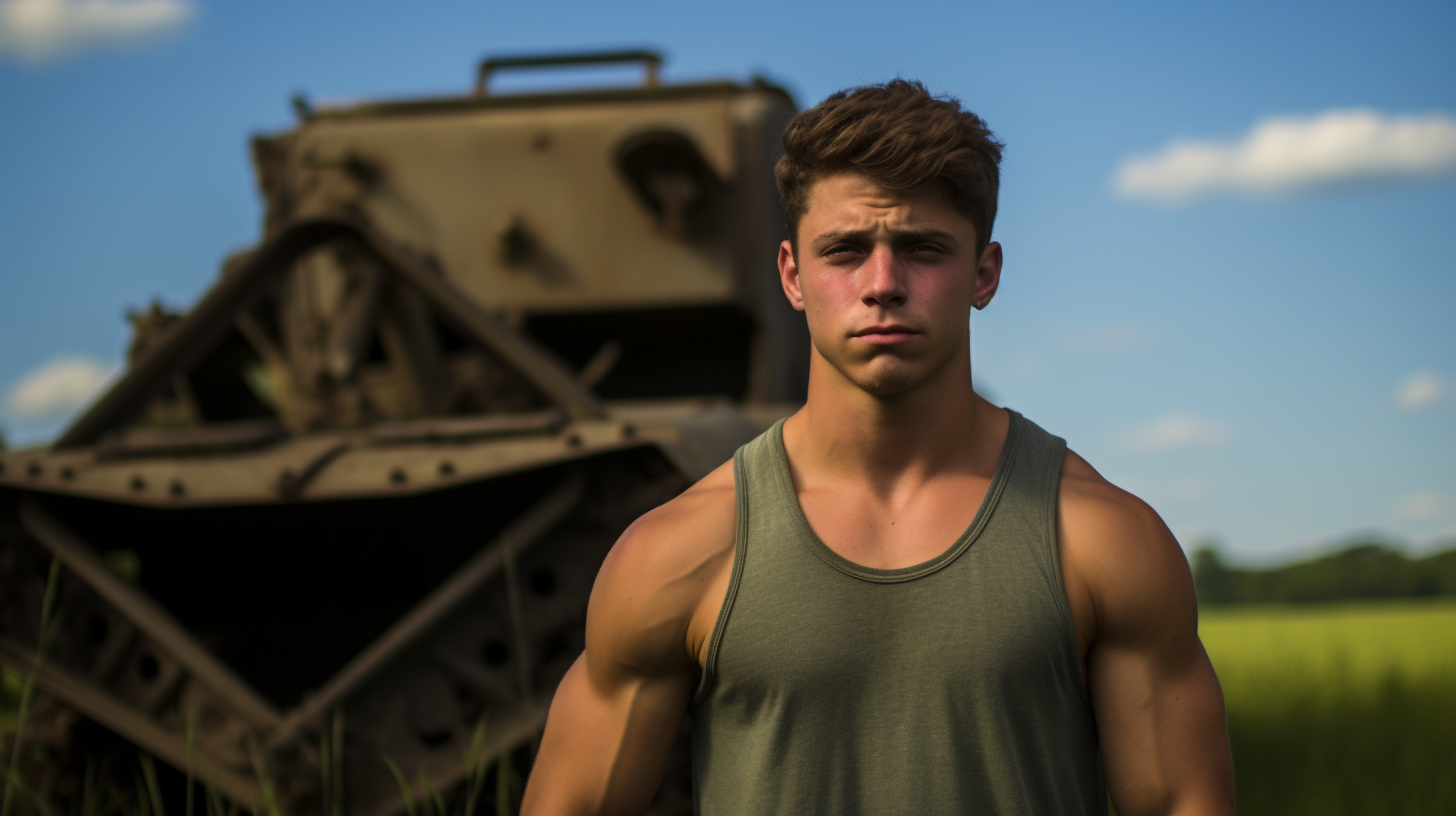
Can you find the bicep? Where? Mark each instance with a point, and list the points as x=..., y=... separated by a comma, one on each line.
x=1159, y=708
x=606, y=741
x=617, y=711
x=1161, y=722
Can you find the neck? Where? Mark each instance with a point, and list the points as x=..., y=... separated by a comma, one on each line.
x=939, y=425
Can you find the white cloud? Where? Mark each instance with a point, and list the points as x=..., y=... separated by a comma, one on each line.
x=1419, y=390
x=1286, y=154
x=1176, y=431
x=43, y=30
x=1419, y=507
x=59, y=386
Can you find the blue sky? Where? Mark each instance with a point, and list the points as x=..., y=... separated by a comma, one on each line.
x=1274, y=369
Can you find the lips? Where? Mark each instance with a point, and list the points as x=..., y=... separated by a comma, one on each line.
x=886, y=334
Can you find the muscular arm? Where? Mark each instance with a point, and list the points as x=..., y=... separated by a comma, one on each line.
x=617, y=711
x=1159, y=709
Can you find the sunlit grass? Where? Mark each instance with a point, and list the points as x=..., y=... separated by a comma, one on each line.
x=1339, y=709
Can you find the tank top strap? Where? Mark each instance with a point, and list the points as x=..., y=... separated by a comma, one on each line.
x=762, y=517
x=1028, y=513
x=1032, y=483
x=760, y=470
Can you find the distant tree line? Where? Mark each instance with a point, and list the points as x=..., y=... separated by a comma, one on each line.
x=1362, y=571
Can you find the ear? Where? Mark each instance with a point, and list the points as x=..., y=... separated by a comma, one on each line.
x=789, y=276
x=988, y=276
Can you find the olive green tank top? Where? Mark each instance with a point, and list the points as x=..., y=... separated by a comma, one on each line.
x=951, y=686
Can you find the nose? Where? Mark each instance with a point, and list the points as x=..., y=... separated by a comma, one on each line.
x=883, y=278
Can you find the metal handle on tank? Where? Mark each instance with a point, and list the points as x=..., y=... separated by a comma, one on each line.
x=651, y=60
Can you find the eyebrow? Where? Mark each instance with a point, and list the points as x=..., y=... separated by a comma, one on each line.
x=897, y=236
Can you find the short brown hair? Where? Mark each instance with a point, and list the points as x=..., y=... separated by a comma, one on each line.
x=900, y=137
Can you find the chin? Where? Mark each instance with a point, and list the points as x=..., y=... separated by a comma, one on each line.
x=889, y=381
x=885, y=374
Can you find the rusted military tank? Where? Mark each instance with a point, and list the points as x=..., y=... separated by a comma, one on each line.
x=338, y=524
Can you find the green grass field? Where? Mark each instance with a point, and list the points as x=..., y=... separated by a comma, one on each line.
x=1339, y=709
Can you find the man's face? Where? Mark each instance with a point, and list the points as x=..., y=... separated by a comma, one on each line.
x=887, y=281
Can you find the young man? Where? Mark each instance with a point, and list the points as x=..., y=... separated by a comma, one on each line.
x=902, y=599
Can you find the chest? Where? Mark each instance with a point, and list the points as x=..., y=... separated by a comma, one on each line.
x=888, y=532
x=979, y=629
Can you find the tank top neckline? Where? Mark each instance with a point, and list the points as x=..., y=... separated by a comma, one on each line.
x=784, y=487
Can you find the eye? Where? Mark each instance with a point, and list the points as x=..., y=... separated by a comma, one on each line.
x=926, y=248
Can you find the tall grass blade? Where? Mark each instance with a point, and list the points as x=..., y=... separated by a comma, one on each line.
x=149, y=772
x=215, y=801
x=476, y=762
x=269, y=805
x=144, y=806
x=404, y=788
x=337, y=799
x=505, y=784
x=212, y=806
x=38, y=802
x=435, y=797
x=27, y=687
x=90, y=792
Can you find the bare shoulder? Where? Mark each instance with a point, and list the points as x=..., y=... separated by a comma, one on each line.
x=657, y=582
x=1120, y=562
x=677, y=538
x=1106, y=524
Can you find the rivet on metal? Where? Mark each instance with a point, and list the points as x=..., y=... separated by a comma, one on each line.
x=68, y=473
x=447, y=468
x=33, y=470
x=138, y=484
x=398, y=476
x=177, y=488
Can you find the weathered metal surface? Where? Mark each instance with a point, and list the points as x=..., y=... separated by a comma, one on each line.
x=348, y=510
x=387, y=459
